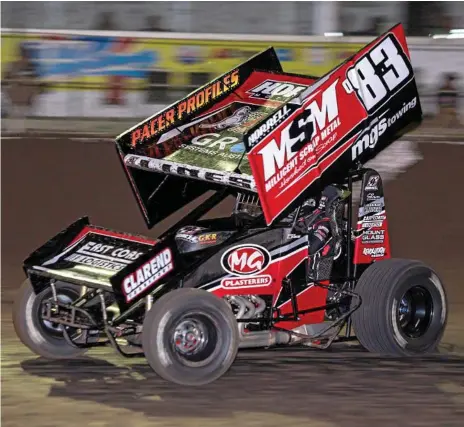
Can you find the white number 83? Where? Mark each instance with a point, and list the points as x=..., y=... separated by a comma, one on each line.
x=378, y=74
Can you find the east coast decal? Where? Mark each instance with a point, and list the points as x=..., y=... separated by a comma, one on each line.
x=245, y=263
x=104, y=256
x=100, y=252
x=147, y=274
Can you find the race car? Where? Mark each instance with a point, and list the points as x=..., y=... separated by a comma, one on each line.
x=295, y=262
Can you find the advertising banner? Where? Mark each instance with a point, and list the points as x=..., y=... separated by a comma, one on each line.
x=114, y=76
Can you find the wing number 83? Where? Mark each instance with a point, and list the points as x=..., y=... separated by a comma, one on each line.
x=380, y=73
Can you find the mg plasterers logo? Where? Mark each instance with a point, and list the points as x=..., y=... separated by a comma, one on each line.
x=245, y=259
x=147, y=274
x=244, y=262
x=277, y=91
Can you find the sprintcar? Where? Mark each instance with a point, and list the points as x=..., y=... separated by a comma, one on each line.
x=294, y=263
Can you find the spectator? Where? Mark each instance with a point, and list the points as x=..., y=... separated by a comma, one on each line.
x=377, y=27
x=447, y=99
x=106, y=22
x=153, y=24
x=21, y=86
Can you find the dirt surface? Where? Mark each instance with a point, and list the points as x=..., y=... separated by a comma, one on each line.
x=47, y=184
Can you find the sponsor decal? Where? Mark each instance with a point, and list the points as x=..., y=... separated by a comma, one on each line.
x=91, y=248
x=373, y=207
x=187, y=237
x=302, y=140
x=212, y=144
x=374, y=252
x=166, y=119
x=370, y=137
x=108, y=257
x=374, y=218
x=95, y=262
x=237, y=118
x=246, y=282
x=373, y=236
x=245, y=260
x=148, y=274
x=189, y=233
x=211, y=175
x=276, y=90
x=372, y=224
x=207, y=239
x=372, y=239
x=270, y=124
x=191, y=229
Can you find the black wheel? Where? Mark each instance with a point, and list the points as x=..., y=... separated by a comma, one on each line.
x=403, y=310
x=41, y=336
x=190, y=337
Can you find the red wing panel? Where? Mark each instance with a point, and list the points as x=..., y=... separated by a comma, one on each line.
x=345, y=119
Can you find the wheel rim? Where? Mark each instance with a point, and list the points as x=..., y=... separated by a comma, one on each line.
x=55, y=327
x=64, y=296
x=194, y=337
x=415, y=312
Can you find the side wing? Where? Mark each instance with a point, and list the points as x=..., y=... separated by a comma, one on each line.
x=345, y=119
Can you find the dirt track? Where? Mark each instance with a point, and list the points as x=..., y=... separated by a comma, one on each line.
x=47, y=184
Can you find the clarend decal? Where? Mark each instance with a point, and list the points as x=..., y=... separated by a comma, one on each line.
x=148, y=274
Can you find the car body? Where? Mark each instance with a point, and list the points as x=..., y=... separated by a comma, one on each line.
x=287, y=149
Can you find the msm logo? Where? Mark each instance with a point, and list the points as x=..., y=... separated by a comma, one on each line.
x=245, y=259
x=316, y=116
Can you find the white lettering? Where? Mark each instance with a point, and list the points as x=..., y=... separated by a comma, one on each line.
x=148, y=274
x=377, y=128
x=275, y=156
x=378, y=74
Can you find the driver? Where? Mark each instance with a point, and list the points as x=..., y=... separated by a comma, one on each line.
x=323, y=230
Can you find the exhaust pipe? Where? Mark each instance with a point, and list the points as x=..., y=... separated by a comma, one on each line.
x=249, y=308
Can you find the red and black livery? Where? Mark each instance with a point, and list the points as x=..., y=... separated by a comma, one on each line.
x=291, y=265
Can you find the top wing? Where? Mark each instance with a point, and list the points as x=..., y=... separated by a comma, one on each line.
x=200, y=138
x=343, y=120
x=281, y=135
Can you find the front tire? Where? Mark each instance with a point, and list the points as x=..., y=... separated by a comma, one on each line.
x=404, y=308
x=190, y=337
x=40, y=336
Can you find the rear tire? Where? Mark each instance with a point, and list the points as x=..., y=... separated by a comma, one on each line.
x=190, y=337
x=42, y=337
x=403, y=310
